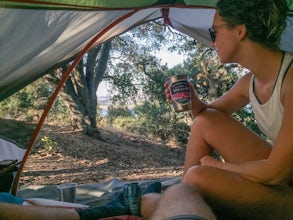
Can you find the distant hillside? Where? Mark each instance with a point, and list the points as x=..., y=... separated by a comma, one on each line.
x=18, y=131
x=104, y=100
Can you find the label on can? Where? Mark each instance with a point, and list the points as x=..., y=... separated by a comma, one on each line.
x=132, y=196
x=180, y=91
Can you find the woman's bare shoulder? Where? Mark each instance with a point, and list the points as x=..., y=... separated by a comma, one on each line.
x=242, y=85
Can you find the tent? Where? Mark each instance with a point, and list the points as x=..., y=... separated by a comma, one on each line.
x=38, y=35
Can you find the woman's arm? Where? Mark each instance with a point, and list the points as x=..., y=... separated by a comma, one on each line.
x=278, y=167
x=236, y=98
x=233, y=100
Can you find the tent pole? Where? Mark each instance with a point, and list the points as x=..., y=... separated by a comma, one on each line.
x=165, y=13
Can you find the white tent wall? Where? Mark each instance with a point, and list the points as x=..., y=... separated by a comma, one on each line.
x=34, y=40
x=9, y=151
x=193, y=23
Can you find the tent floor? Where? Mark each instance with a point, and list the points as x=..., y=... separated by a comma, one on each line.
x=87, y=194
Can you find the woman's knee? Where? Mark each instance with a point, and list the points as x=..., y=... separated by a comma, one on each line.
x=197, y=175
x=207, y=117
x=181, y=189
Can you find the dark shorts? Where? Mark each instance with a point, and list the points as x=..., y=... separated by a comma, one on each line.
x=187, y=217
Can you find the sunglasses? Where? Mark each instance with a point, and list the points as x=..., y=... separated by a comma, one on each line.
x=213, y=32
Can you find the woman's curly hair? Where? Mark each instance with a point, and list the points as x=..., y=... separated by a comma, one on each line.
x=265, y=20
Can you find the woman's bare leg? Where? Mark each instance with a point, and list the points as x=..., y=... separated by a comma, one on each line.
x=240, y=198
x=22, y=212
x=182, y=200
x=149, y=203
x=212, y=129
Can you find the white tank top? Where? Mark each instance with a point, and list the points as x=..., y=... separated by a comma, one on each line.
x=270, y=114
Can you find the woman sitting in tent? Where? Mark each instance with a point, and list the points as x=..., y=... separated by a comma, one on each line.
x=253, y=183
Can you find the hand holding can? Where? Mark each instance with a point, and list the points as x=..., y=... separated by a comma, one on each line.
x=180, y=92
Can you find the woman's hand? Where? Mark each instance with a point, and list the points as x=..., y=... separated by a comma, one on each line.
x=210, y=161
x=197, y=104
x=168, y=93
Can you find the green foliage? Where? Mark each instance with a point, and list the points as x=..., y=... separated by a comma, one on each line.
x=34, y=96
x=37, y=94
x=246, y=116
x=115, y=112
x=180, y=129
x=150, y=121
x=48, y=144
x=10, y=107
x=124, y=123
x=59, y=112
x=150, y=118
x=29, y=103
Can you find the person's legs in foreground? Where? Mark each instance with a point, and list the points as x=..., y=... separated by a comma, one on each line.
x=22, y=212
x=11, y=208
x=114, y=207
x=181, y=201
x=235, y=197
x=228, y=192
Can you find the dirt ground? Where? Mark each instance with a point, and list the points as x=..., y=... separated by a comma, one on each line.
x=77, y=158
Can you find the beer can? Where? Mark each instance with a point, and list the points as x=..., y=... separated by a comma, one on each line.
x=132, y=196
x=180, y=92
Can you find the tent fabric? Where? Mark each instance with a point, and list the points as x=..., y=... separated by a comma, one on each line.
x=30, y=51
x=9, y=151
x=103, y=4
x=92, y=194
x=37, y=36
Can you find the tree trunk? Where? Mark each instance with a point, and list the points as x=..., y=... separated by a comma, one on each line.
x=94, y=75
x=79, y=91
